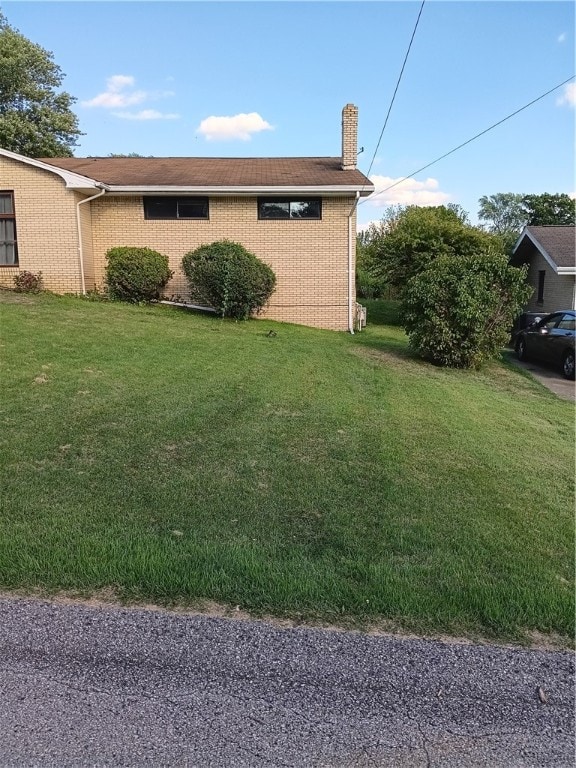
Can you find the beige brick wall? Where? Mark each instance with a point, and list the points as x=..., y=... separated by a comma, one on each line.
x=558, y=289
x=45, y=226
x=309, y=257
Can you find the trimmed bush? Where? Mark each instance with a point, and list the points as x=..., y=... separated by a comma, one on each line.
x=136, y=274
x=28, y=282
x=459, y=311
x=229, y=278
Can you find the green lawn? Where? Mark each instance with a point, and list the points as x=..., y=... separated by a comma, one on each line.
x=173, y=457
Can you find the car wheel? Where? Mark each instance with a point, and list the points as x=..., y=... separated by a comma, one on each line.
x=568, y=364
x=521, y=348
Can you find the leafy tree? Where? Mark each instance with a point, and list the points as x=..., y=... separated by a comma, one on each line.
x=459, y=311
x=506, y=213
x=503, y=212
x=35, y=119
x=409, y=239
x=370, y=283
x=546, y=209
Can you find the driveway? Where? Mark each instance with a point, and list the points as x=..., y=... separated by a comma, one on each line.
x=550, y=378
x=101, y=686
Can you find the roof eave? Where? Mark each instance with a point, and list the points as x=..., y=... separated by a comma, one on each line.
x=227, y=191
x=72, y=180
x=538, y=245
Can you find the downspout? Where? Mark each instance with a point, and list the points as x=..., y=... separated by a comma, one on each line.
x=350, y=269
x=79, y=227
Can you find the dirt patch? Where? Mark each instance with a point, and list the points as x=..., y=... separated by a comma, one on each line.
x=11, y=297
x=108, y=598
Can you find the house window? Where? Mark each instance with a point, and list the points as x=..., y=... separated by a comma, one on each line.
x=175, y=207
x=541, y=278
x=8, y=246
x=289, y=208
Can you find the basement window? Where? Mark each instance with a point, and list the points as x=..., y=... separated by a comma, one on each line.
x=175, y=207
x=289, y=208
x=8, y=245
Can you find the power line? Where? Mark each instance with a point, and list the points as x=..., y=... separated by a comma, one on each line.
x=424, y=167
x=393, y=96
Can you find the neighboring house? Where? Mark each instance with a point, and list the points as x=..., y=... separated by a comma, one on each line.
x=550, y=255
x=61, y=215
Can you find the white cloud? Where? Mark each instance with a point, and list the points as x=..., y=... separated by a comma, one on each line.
x=562, y=37
x=236, y=127
x=361, y=227
x=116, y=94
x=147, y=114
x=568, y=97
x=408, y=192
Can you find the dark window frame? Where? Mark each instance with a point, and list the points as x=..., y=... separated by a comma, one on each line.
x=289, y=200
x=541, y=280
x=11, y=217
x=177, y=200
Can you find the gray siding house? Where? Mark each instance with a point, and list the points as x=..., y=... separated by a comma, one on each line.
x=550, y=255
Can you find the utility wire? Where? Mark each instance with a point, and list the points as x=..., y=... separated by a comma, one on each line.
x=424, y=167
x=393, y=99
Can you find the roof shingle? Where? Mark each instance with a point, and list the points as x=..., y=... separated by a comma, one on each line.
x=558, y=242
x=213, y=171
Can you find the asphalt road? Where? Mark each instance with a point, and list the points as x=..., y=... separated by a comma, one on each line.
x=93, y=686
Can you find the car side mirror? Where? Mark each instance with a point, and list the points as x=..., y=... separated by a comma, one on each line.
x=543, y=331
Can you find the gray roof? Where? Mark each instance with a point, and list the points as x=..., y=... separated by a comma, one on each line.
x=215, y=171
x=558, y=242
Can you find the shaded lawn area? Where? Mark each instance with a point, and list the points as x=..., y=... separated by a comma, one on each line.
x=174, y=457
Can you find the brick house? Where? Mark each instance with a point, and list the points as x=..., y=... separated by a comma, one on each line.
x=550, y=255
x=61, y=215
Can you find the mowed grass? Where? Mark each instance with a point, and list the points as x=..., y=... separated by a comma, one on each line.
x=177, y=458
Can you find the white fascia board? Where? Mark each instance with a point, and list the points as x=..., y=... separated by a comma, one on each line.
x=520, y=238
x=566, y=270
x=221, y=191
x=72, y=180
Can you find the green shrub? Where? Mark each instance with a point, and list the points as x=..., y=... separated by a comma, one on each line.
x=459, y=311
x=28, y=282
x=369, y=285
x=136, y=274
x=229, y=278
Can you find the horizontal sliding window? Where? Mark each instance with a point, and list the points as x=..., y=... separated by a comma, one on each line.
x=175, y=207
x=289, y=208
x=8, y=246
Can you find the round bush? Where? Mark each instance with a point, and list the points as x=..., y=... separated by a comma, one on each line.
x=28, y=282
x=459, y=311
x=229, y=278
x=136, y=274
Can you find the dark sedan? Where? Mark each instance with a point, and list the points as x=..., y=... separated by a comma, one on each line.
x=550, y=341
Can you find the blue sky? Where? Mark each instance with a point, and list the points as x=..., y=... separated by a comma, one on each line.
x=237, y=79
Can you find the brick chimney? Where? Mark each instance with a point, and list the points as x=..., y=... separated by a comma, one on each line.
x=349, y=137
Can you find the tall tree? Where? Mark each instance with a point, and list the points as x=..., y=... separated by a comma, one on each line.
x=503, y=212
x=35, y=117
x=506, y=213
x=546, y=210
